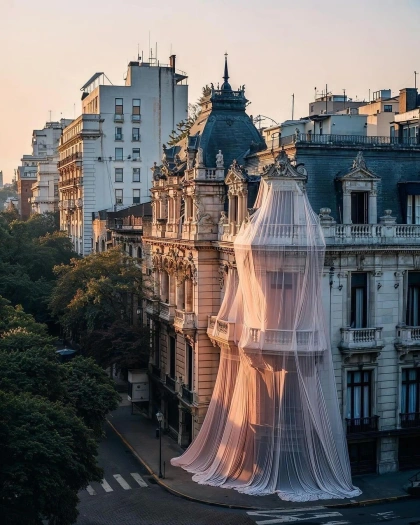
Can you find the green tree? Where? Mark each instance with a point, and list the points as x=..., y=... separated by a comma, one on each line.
x=90, y=391
x=94, y=293
x=46, y=456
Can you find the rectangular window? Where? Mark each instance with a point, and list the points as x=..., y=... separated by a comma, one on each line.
x=118, y=134
x=118, y=197
x=413, y=299
x=359, y=394
x=118, y=175
x=119, y=154
x=359, y=207
x=358, y=312
x=136, y=174
x=413, y=209
x=135, y=113
x=136, y=154
x=282, y=289
x=410, y=391
x=136, y=134
x=172, y=357
x=189, y=366
x=388, y=108
x=119, y=109
x=136, y=196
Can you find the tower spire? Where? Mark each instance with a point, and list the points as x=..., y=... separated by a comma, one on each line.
x=226, y=85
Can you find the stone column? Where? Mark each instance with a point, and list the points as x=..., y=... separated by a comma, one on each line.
x=156, y=283
x=180, y=300
x=189, y=296
x=373, y=211
x=172, y=289
x=347, y=207
x=164, y=287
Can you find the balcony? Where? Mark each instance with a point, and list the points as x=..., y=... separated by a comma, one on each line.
x=410, y=420
x=407, y=336
x=354, y=340
x=68, y=205
x=167, y=312
x=71, y=158
x=119, y=137
x=119, y=117
x=371, y=234
x=219, y=330
x=184, y=320
x=135, y=118
x=152, y=307
x=171, y=383
x=73, y=181
x=360, y=425
x=187, y=395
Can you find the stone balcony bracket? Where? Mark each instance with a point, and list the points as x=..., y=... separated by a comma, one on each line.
x=219, y=331
x=184, y=323
x=167, y=312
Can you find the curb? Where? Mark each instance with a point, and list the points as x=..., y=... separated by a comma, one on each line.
x=351, y=503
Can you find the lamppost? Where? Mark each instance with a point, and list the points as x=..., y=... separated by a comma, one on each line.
x=159, y=417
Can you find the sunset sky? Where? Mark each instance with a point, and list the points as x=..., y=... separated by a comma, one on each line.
x=276, y=48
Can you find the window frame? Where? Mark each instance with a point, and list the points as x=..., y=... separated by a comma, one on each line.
x=119, y=108
x=351, y=384
x=117, y=156
x=135, y=137
x=135, y=191
x=136, y=171
x=406, y=382
x=119, y=171
x=118, y=135
x=354, y=299
x=119, y=191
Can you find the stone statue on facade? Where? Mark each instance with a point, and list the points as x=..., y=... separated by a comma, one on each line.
x=359, y=162
x=223, y=220
x=297, y=135
x=200, y=158
x=219, y=159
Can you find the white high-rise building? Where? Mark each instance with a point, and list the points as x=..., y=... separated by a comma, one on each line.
x=107, y=153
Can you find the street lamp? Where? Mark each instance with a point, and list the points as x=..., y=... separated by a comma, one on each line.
x=159, y=417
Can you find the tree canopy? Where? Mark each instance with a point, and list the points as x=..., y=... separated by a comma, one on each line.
x=93, y=300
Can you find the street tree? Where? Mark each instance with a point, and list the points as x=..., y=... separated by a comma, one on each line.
x=95, y=297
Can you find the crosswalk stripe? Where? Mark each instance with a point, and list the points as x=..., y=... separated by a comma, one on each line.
x=278, y=516
x=139, y=479
x=122, y=482
x=90, y=490
x=106, y=486
x=283, y=511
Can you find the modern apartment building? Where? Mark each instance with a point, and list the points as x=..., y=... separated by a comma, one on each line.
x=107, y=153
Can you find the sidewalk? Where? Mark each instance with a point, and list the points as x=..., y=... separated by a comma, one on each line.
x=139, y=434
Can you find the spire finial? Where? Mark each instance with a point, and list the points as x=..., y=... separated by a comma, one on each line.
x=226, y=75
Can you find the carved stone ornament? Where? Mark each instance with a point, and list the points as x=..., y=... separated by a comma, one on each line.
x=199, y=161
x=282, y=167
x=219, y=159
x=359, y=162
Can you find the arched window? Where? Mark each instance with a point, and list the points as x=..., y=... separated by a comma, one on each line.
x=139, y=253
x=130, y=250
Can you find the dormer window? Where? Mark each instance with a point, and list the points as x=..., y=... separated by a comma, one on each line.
x=359, y=194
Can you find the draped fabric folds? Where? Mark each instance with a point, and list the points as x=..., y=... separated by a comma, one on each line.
x=273, y=424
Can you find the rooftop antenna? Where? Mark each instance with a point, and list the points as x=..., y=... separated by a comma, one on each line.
x=315, y=93
x=415, y=79
x=344, y=91
x=50, y=115
x=226, y=72
x=149, y=46
x=293, y=105
x=138, y=51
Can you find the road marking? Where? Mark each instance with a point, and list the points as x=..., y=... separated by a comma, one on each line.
x=122, y=482
x=90, y=490
x=139, y=479
x=277, y=516
x=106, y=486
x=385, y=516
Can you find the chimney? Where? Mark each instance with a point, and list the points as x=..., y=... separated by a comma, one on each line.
x=172, y=61
x=408, y=99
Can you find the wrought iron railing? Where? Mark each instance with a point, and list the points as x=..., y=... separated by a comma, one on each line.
x=410, y=420
x=69, y=158
x=187, y=395
x=313, y=138
x=170, y=382
x=362, y=424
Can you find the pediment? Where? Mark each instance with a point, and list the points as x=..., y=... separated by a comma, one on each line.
x=236, y=173
x=282, y=168
x=359, y=174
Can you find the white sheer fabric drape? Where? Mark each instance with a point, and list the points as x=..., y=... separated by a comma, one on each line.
x=273, y=424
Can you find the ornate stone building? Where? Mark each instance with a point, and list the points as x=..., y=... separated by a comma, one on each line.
x=368, y=197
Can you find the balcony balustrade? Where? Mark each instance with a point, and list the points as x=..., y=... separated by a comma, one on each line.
x=408, y=336
x=219, y=330
x=68, y=205
x=361, y=339
x=410, y=420
x=345, y=140
x=184, y=320
x=70, y=158
x=371, y=233
x=152, y=307
x=167, y=312
x=362, y=424
x=73, y=181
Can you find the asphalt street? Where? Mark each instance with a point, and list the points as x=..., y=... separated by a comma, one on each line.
x=129, y=496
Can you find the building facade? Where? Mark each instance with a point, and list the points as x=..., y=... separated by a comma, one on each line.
x=366, y=193
x=107, y=153
x=37, y=176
